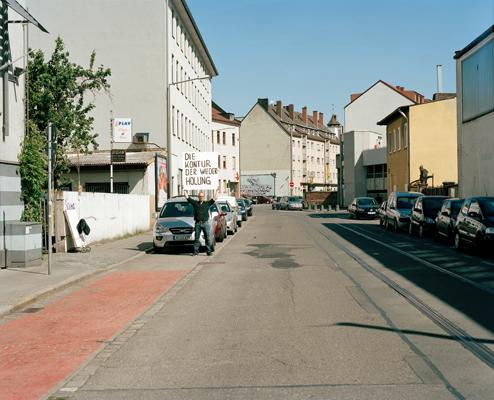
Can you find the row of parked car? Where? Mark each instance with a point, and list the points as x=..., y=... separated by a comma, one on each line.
x=463, y=222
x=174, y=227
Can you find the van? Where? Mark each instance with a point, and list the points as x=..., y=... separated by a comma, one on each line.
x=398, y=210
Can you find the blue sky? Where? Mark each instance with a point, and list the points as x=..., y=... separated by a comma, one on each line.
x=317, y=52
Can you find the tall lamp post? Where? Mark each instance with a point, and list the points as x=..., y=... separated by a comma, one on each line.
x=168, y=131
x=274, y=178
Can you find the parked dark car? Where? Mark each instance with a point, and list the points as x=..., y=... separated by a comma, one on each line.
x=446, y=218
x=424, y=212
x=363, y=207
x=263, y=200
x=475, y=223
x=248, y=205
x=382, y=212
x=243, y=209
x=275, y=205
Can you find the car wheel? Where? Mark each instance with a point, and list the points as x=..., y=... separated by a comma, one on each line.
x=410, y=229
x=386, y=224
x=239, y=223
x=457, y=241
x=421, y=231
x=157, y=250
x=221, y=237
x=380, y=222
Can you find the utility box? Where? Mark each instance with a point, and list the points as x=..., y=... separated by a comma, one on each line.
x=24, y=244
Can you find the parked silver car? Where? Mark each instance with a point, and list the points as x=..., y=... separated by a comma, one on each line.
x=398, y=210
x=291, y=203
x=175, y=226
x=231, y=216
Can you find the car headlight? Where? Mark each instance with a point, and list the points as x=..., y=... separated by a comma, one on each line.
x=489, y=230
x=160, y=229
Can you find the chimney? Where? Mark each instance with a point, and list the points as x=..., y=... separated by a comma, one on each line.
x=279, y=108
x=304, y=114
x=439, y=78
x=321, y=119
x=354, y=96
x=291, y=111
x=314, y=117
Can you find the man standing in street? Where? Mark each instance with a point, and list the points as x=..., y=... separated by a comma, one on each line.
x=201, y=217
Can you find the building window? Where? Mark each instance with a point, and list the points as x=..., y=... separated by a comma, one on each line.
x=477, y=87
x=224, y=137
x=224, y=162
x=405, y=135
x=218, y=141
x=398, y=136
x=390, y=141
x=233, y=139
x=234, y=163
x=173, y=121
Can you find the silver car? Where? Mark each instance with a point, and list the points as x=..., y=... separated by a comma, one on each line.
x=398, y=210
x=231, y=216
x=175, y=226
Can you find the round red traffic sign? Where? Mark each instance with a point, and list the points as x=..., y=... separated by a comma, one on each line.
x=292, y=184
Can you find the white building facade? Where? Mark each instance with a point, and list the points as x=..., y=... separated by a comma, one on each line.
x=225, y=141
x=475, y=113
x=361, y=133
x=150, y=47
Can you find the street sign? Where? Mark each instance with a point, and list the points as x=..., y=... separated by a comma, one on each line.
x=117, y=156
x=292, y=184
x=122, y=130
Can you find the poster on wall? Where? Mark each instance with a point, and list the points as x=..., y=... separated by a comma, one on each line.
x=200, y=170
x=122, y=130
x=257, y=185
x=161, y=181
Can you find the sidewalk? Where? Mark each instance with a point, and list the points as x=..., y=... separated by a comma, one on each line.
x=20, y=286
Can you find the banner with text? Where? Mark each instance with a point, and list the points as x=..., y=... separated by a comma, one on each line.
x=200, y=170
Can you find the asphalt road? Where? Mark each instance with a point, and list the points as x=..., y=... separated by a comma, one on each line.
x=302, y=305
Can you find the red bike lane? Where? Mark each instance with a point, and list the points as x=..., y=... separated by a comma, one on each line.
x=38, y=351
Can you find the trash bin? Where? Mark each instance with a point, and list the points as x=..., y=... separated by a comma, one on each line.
x=24, y=244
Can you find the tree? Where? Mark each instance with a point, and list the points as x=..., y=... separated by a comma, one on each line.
x=59, y=92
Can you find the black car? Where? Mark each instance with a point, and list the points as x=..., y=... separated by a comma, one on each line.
x=363, y=207
x=424, y=212
x=248, y=205
x=243, y=209
x=475, y=223
x=446, y=218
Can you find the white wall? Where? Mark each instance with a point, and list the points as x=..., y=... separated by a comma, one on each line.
x=111, y=215
x=228, y=150
x=371, y=107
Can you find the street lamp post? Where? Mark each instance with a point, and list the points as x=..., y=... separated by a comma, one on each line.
x=274, y=178
x=168, y=131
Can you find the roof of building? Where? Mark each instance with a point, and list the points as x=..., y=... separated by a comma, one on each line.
x=182, y=5
x=334, y=121
x=411, y=95
x=297, y=126
x=474, y=43
x=220, y=115
x=396, y=113
x=102, y=158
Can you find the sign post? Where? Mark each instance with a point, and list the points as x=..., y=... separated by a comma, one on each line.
x=200, y=170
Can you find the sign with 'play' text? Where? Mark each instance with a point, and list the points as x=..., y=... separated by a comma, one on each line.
x=200, y=170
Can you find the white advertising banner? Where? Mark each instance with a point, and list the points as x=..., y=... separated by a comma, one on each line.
x=200, y=170
x=122, y=130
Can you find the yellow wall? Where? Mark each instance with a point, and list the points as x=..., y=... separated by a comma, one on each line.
x=433, y=141
x=397, y=160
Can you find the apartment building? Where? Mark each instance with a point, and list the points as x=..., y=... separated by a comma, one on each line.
x=225, y=140
x=297, y=149
x=161, y=78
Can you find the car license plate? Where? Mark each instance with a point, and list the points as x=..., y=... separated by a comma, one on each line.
x=372, y=212
x=181, y=237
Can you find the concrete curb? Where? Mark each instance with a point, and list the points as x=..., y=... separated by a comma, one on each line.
x=65, y=284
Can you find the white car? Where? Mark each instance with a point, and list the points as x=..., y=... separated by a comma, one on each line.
x=175, y=226
x=231, y=216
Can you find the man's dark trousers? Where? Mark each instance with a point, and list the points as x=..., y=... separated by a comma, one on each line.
x=204, y=227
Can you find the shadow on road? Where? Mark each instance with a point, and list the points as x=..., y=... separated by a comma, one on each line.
x=464, y=297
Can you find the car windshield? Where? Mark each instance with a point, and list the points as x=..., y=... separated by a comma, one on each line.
x=177, y=209
x=295, y=199
x=366, y=202
x=405, y=203
x=487, y=207
x=224, y=207
x=433, y=204
x=456, y=207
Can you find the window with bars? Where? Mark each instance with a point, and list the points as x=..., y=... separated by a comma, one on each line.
x=104, y=187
